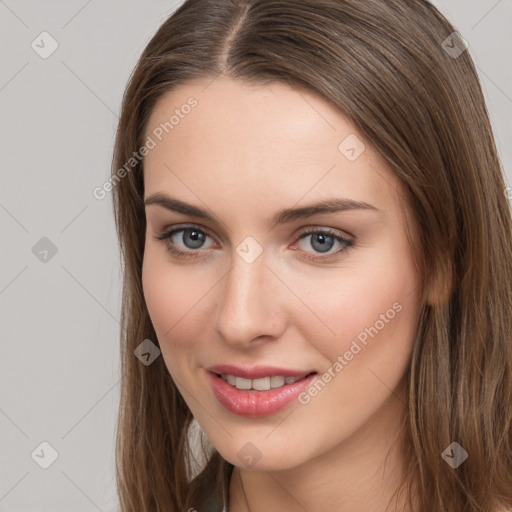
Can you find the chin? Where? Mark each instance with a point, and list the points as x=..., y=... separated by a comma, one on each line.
x=262, y=454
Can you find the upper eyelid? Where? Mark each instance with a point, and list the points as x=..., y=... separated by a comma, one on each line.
x=177, y=229
x=302, y=231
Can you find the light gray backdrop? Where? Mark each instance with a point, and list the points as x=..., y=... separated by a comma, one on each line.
x=59, y=271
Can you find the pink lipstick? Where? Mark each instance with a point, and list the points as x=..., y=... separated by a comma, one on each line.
x=257, y=391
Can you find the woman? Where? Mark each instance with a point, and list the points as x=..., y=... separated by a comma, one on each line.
x=316, y=236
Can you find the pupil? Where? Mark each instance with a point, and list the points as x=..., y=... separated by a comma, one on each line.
x=323, y=243
x=196, y=239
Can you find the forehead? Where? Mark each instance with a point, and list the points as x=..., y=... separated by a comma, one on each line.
x=271, y=141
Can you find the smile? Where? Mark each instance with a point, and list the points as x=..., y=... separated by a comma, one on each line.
x=260, y=396
x=261, y=384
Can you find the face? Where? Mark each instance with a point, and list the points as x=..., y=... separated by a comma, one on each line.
x=244, y=278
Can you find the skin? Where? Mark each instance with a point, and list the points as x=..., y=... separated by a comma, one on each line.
x=243, y=153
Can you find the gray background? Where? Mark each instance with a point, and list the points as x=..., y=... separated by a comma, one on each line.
x=59, y=362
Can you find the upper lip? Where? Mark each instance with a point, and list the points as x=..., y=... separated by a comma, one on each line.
x=257, y=372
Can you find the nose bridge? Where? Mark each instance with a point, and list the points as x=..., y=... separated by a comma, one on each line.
x=249, y=305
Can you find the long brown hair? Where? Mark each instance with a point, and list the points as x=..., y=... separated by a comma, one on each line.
x=399, y=72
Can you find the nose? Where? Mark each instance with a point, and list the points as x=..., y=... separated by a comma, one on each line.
x=251, y=304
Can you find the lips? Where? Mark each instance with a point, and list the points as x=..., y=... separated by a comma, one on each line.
x=257, y=391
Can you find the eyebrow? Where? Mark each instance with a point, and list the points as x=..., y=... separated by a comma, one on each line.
x=281, y=217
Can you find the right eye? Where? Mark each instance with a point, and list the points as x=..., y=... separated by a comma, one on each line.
x=191, y=239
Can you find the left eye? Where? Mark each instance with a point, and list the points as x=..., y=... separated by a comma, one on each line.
x=323, y=240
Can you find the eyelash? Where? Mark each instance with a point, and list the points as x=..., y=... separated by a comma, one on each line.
x=166, y=236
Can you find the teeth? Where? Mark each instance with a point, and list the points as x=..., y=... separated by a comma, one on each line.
x=262, y=384
x=242, y=383
x=277, y=382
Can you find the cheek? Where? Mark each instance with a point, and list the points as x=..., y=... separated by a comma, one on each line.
x=369, y=308
x=372, y=308
x=173, y=299
x=160, y=296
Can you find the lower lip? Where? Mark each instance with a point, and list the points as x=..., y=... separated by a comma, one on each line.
x=257, y=403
